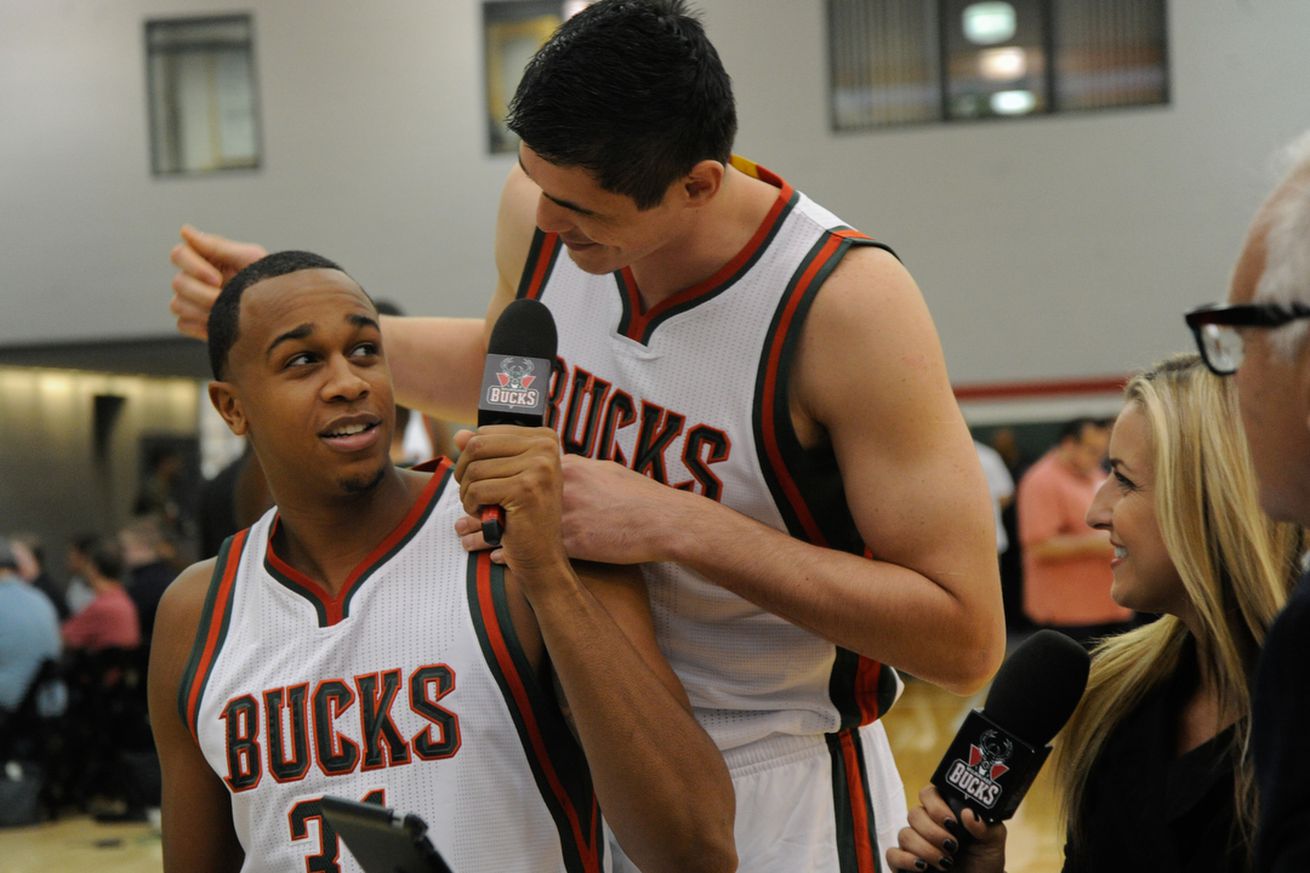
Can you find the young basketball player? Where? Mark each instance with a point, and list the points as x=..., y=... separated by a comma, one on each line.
x=347, y=645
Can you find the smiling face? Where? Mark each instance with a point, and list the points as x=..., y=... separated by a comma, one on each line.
x=308, y=382
x=1145, y=578
x=603, y=231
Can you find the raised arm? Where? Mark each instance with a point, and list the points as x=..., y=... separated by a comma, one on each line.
x=870, y=380
x=436, y=362
x=661, y=782
x=198, y=835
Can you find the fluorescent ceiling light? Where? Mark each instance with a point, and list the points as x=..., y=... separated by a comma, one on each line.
x=989, y=23
x=1003, y=64
x=1013, y=102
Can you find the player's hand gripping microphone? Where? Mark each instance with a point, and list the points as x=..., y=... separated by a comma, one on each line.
x=996, y=754
x=516, y=381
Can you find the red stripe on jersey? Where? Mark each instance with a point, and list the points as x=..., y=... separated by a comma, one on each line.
x=549, y=243
x=334, y=607
x=222, y=600
x=867, y=674
x=803, y=514
x=640, y=320
x=865, y=851
x=486, y=603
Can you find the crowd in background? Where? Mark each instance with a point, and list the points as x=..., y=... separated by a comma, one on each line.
x=74, y=651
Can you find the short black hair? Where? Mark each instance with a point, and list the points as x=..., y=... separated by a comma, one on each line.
x=107, y=558
x=1074, y=427
x=83, y=542
x=630, y=90
x=223, y=316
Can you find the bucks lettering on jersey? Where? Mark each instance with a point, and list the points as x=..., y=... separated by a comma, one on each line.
x=694, y=394
x=408, y=689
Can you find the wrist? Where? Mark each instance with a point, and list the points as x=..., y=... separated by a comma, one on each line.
x=678, y=534
x=542, y=581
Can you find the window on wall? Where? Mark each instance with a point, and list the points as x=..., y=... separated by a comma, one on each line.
x=203, y=112
x=513, y=30
x=896, y=62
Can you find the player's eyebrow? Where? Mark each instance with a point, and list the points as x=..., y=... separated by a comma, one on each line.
x=567, y=204
x=363, y=321
x=295, y=333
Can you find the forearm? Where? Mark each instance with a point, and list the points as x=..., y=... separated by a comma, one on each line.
x=436, y=364
x=882, y=610
x=1065, y=547
x=661, y=782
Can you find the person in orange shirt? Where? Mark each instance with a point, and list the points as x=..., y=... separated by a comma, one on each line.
x=110, y=620
x=1066, y=563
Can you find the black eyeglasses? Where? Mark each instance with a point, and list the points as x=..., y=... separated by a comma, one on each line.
x=1215, y=328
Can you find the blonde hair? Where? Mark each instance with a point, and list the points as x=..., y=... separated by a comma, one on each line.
x=1236, y=566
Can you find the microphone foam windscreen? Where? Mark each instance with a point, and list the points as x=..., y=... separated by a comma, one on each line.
x=1039, y=686
x=525, y=329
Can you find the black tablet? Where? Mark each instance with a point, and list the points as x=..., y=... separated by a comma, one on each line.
x=382, y=840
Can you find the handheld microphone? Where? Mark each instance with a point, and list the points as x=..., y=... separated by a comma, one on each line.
x=516, y=381
x=991, y=763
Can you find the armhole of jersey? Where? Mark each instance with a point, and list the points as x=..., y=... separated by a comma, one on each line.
x=806, y=485
x=541, y=261
x=558, y=764
x=211, y=631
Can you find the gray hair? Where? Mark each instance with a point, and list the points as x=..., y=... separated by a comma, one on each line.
x=1286, y=276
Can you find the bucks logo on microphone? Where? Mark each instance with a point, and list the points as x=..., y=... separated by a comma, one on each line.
x=977, y=776
x=514, y=386
x=988, y=768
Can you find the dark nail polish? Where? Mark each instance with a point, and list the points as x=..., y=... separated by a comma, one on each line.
x=950, y=845
x=946, y=863
x=951, y=825
x=920, y=864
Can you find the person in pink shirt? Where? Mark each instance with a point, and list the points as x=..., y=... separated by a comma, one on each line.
x=1067, y=563
x=110, y=619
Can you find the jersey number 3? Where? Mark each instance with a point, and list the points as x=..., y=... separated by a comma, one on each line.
x=327, y=860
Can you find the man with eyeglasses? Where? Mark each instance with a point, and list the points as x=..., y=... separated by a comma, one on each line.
x=1260, y=337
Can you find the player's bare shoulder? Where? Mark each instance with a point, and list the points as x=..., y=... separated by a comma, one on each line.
x=869, y=282
x=179, y=618
x=869, y=317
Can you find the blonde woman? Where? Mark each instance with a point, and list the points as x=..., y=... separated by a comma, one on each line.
x=1150, y=769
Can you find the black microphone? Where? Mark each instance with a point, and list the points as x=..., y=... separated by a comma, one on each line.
x=991, y=763
x=516, y=381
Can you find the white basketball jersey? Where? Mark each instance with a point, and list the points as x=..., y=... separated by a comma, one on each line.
x=694, y=394
x=408, y=689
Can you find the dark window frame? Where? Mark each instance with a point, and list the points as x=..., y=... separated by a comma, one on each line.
x=246, y=18
x=944, y=114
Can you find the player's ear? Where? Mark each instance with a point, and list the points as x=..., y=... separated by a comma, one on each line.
x=703, y=182
x=224, y=398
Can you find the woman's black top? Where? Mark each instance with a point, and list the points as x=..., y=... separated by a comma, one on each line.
x=1145, y=808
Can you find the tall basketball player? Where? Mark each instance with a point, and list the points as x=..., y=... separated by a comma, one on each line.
x=725, y=335
x=346, y=644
